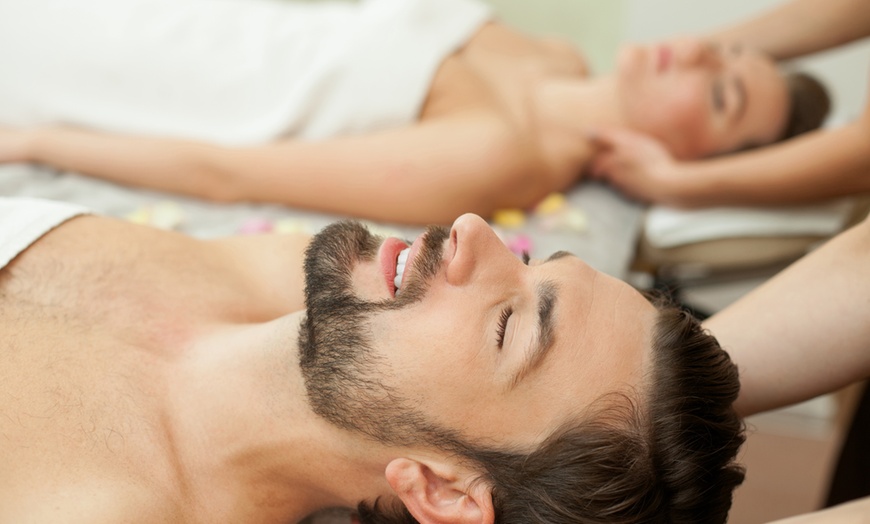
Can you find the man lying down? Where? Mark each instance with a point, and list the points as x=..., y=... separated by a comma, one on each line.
x=152, y=377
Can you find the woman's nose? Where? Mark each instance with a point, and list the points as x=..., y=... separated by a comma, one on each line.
x=476, y=247
x=698, y=53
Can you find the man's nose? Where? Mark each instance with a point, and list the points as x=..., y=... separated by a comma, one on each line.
x=476, y=247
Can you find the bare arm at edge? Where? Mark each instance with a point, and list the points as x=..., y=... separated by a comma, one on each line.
x=801, y=27
x=806, y=331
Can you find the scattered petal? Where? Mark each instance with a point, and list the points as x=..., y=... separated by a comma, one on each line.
x=575, y=220
x=255, y=226
x=141, y=216
x=166, y=215
x=550, y=205
x=509, y=218
x=520, y=244
x=290, y=225
x=163, y=215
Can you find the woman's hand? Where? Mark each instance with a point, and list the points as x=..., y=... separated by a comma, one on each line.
x=636, y=164
x=16, y=145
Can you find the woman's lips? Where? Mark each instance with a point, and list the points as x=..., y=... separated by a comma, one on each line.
x=389, y=253
x=664, y=57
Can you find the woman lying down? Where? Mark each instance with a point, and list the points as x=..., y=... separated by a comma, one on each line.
x=401, y=110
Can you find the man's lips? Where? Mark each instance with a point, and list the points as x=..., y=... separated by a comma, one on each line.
x=390, y=250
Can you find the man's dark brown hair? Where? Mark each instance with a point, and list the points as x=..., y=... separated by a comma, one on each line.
x=667, y=457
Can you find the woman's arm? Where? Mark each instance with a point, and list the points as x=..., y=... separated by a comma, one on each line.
x=801, y=27
x=806, y=331
x=815, y=166
x=429, y=172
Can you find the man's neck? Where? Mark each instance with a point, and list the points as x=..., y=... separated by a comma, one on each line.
x=244, y=431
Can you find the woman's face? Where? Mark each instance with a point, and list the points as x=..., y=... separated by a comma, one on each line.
x=701, y=99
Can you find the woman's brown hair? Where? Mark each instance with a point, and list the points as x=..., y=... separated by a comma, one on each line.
x=809, y=104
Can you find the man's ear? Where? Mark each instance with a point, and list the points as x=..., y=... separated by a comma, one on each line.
x=436, y=493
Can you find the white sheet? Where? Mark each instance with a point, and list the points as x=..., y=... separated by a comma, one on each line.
x=226, y=71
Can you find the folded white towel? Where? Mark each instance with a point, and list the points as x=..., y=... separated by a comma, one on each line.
x=667, y=227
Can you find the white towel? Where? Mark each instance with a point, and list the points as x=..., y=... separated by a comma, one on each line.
x=23, y=221
x=227, y=71
x=666, y=227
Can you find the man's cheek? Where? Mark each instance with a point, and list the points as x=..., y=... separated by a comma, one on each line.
x=368, y=283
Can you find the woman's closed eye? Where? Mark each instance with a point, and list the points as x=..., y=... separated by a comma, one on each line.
x=718, y=95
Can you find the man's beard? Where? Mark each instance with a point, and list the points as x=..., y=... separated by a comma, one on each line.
x=344, y=375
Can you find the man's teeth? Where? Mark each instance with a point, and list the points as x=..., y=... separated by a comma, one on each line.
x=400, y=266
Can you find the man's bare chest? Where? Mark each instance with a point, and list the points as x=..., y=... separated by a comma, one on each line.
x=80, y=387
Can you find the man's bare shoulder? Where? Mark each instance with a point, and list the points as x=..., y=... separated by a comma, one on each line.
x=75, y=242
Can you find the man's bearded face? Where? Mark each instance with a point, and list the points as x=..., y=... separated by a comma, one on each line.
x=344, y=376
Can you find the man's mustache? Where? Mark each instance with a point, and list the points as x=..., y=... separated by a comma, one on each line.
x=425, y=266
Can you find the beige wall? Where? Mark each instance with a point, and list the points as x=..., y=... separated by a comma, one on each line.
x=595, y=26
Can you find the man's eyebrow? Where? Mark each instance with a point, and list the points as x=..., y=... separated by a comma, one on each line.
x=740, y=87
x=547, y=293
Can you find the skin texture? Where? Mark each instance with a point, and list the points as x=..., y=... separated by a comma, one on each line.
x=700, y=99
x=527, y=105
x=148, y=378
